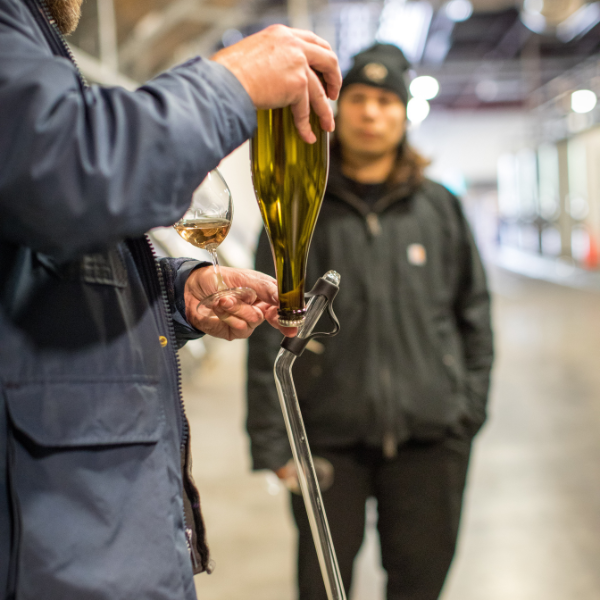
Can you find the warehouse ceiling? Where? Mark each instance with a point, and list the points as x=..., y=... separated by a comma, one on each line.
x=497, y=56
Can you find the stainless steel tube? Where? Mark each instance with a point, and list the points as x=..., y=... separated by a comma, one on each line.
x=302, y=456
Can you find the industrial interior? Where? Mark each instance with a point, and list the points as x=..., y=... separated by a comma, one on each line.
x=504, y=104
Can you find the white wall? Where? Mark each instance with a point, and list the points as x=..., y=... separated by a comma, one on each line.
x=470, y=142
x=238, y=247
x=237, y=250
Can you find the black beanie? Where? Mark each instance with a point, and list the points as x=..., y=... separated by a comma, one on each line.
x=382, y=66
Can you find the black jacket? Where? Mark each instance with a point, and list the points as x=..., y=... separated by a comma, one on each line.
x=413, y=358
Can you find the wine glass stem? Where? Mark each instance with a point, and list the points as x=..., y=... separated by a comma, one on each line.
x=220, y=283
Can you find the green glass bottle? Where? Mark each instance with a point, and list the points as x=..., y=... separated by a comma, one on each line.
x=289, y=178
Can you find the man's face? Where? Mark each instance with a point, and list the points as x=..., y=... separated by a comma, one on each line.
x=370, y=121
x=66, y=13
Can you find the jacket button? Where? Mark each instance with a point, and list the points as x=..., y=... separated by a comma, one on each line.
x=163, y=340
x=448, y=360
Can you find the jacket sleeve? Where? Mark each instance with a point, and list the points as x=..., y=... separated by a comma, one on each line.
x=472, y=309
x=83, y=168
x=269, y=444
x=175, y=273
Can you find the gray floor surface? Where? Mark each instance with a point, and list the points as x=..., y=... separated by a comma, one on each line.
x=531, y=525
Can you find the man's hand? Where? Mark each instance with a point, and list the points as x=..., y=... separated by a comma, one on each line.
x=286, y=472
x=288, y=475
x=231, y=319
x=275, y=66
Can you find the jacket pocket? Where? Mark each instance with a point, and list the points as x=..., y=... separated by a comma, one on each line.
x=91, y=486
x=463, y=424
x=71, y=414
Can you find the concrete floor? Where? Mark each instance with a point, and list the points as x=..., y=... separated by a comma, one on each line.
x=531, y=527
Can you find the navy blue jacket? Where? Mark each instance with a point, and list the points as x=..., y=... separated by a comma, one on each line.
x=92, y=428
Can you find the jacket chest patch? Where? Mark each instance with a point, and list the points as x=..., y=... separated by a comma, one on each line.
x=104, y=268
x=416, y=254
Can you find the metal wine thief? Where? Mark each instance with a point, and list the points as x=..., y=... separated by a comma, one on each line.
x=321, y=299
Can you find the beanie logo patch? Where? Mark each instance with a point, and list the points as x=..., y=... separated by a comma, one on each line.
x=376, y=72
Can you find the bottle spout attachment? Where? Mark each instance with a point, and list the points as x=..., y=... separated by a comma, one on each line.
x=321, y=298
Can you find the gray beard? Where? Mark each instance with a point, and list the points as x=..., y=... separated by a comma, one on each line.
x=66, y=13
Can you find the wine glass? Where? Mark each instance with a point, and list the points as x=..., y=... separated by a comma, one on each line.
x=206, y=224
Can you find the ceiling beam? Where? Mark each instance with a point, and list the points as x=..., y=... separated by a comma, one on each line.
x=471, y=66
x=231, y=19
x=99, y=72
x=107, y=33
x=158, y=23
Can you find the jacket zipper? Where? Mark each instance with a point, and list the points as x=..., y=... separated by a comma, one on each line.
x=145, y=256
x=41, y=13
x=172, y=340
x=389, y=439
x=16, y=520
x=152, y=272
x=174, y=354
x=373, y=224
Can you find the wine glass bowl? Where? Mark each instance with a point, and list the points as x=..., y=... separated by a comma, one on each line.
x=205, y=224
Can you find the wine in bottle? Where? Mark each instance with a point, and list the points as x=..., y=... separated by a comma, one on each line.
x=289, y=179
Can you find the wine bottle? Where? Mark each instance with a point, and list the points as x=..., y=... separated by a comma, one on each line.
x=289, y=179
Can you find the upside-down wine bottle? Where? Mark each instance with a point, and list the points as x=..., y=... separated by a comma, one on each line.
x=289, y=179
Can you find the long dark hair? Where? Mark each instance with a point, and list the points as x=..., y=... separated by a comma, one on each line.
x=410, y=166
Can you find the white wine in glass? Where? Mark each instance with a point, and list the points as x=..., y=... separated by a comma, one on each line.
x=206, y=224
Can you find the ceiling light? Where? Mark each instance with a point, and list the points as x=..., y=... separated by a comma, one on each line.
x=417, y=110
x=534, y=6
x=405, y=24
x=534, y=21
x=459, y=10
x=583, y=101
x=424, y=87
x=579, y=23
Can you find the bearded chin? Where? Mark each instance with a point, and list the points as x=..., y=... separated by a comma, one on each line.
x=66, y=13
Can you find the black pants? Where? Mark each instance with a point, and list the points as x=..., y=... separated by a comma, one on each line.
x=419, y=495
